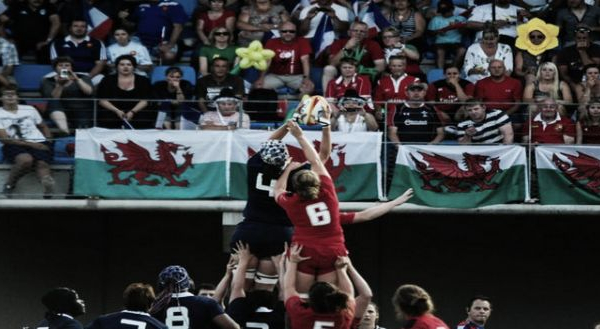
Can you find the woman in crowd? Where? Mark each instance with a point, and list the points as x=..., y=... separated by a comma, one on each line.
x=175, y=94
x=259, y=17
x=526, y=64
x=408, y=20
x=588, y=125
x=221, y=45
x=215, y=16
x=392, y=46
x=227, y=116
x=480, y=54
x=547, y=83
x=124, y=98
x=125, y=46
x=589, y=87
x=351, y=115
x=413, y=304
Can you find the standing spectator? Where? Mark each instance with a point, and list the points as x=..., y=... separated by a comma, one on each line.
x=126, y=46
x=25, y=138
x=175, y=97
x=9, y=58
x=446, y=28
x=414, y=303
x=62, y=85
x=484, y=126
x=137, y=299
x=124, y=97
x=215, y=16
x=209, y=86
x=88, y=54
x=572, y=60
x=577, y=14
x=227, y=116
x=478, y=313
x=588, y=125
x=221, y=46
x=257, y=20
x=548, y=126
x=479, y=55
x=159, y=25
x=507, y=18
x=449, y=91
x=290, y=66
x=366, y=52
x=352, y=116
x=392, y=88
x=34, y=24
x=409, y=21
x=349, y=79
x=392, y=46
x=500, y=91
x=63, y=306
x=311, y=16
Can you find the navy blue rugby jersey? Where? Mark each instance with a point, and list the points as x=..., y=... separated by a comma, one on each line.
x=126, y=320
x=262, y=318
x=186, y=311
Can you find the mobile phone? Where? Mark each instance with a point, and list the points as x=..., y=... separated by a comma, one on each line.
x=64, y=74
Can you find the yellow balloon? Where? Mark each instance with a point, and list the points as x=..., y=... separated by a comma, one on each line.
x=241, y=52
x=261, y=65
x=245, y=63
x=255, y=45
x=256, y=56
x=267, y=53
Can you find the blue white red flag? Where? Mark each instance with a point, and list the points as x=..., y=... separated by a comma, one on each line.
x=99, y=24
x=324, y=35
x=374, y=19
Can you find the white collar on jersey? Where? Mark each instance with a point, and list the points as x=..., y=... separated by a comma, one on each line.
x=263, y=309
x=182, y=294
x=135, y=312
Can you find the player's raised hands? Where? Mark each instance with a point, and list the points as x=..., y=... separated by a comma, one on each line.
x=294, y=128
x=342, y=262
x=243, y=252
x=294, y=254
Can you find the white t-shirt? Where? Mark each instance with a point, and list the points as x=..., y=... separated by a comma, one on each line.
x=22, y=124
x=483, y=14
x=134, y=49
x=340, y=11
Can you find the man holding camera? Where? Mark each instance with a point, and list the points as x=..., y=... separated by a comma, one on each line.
x=351, y=115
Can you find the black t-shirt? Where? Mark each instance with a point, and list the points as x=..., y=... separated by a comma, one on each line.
x=208, y=88
x=29, y=26
x=241, y=312
x=569, y=56
x=416, y=125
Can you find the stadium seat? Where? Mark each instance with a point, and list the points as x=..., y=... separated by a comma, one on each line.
x=29, y=76
x=64, y=149
x=434, y=75
x=158, y=74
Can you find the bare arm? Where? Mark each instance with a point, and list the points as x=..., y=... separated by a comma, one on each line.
x=508, y=135
x=363, y=291
x=393, y=134
x=309, y=150
x=439, y=135
x=325, y=149
x=177, y=28
x=279, y=133
x=371, y=122
x=569, y=139
x=98, y=68
x=343, y=280
x=223, y=321
x=281, y=184
x=239, y=278
x=289, y=278
x=579, y=136
x=382, y=208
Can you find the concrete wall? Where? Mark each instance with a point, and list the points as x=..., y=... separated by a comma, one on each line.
x=539, y=271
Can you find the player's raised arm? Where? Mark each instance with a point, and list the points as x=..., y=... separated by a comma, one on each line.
x=325, y=149
x=281, y=184
x=382, y=208
x=309, y=151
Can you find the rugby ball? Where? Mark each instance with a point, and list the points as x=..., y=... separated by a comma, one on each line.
x=311, y=111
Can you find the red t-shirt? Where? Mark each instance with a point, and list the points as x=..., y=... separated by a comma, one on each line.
x=336, y=88
x=427, y=321
x=287, y=55
x=209, y=24
x=303, y=317
x=549, y=133
x=509, y=90
x=393, y=91
x=372, y=51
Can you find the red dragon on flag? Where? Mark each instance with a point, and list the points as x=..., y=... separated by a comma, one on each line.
x=584, y=170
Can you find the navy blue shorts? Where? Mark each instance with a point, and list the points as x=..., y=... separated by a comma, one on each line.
x=11, y=151
x=265, y=239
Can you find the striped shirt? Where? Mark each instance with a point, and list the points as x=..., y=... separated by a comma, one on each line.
x=488, y=130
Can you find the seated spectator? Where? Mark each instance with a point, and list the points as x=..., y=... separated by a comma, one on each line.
x=26, y=142
x=576, y=14
x=8, y=59
x=393, y=47
x=88, y=54
x=571, y=60
x=349, y=79
x=366, y=52
x=221, y=45
x=351, y=115
x=215, y=16
x=479, y=55
x=548, y=126
x=33, y=24
x=506, y=20
x=126, y=46
x=209, y=86
x=159, y=25
x=500, y=91
x=484, y=126
x=392, y=88
x=124, y=98
x=547, y=84
x=590, y=84
x=588, y=124
x=69, y=10
x=227, y=115
x=259, y=19
x=526, y=64
x=448, y=38
x=311, y=16
x=449, y=91
x=290, y=67
x=409, y=21
x=62, y=85
x=174, y=95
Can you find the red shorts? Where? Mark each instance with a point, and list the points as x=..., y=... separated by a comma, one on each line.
x=322, y=259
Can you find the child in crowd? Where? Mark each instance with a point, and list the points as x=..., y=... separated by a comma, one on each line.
x=446, y=28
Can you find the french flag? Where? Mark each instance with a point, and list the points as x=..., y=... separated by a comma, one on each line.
x=324, y=35
x=99, y=25
x=374, y=19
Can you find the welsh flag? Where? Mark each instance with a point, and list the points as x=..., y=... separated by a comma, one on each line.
x=151, y=164
x=354, y=164
x=568, y=174
x=461, y=176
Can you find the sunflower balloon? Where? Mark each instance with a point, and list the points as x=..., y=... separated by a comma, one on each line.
x=255, y=55
x=537, y=45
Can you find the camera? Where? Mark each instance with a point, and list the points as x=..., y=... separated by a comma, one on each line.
x=323, y=9
x=351, y=109
x=64, y=74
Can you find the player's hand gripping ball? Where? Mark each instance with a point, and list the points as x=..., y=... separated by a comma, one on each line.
x=312, y=111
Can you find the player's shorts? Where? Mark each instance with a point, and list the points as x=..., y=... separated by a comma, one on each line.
x=265, y=239
x=322, y=259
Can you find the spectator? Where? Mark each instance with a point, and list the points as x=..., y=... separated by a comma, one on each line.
x=478, y=313
x=221, y=45
x=392, y=88
x=290, y=66
x=547, y=84
x=9, y=58
x=588, y=124
x=311, y=16
x=159, y=25
x=175, y=95
x=349, y=79
x=409, y=21
x=257, y=20
x=63, y=306
x=572, y=60
x=26, y=145
x=124, y=97
x=449, y=91
x=34, y=25
x=484, y=126
x=137, y=299
x=590, y=84
x=413, y=121
x=209, y=86
x=548, y=126
x=414, y=303
x=479, y=55
x=500, y=91
x=393, y=47
x=126, y=46
x=215, y=16
x=351, y=116
x=446, y=28
x=506, y=20
x=527, y=64
x=68, y=10
x=88, y=54
x=207, y=290
x=227, y=115
x=370, y=319
x=577, y=14
x=62, y=85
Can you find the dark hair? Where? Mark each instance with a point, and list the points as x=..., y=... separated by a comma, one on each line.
x=206, y=286
x=62, y=59
x=488, y=27
x=77, y=19
x=120, y=27
x=472, y=101
x=126, y=57
x=10, y=87
x=478, y=297
x=412, y=300
x=220, y=59
x=589, y=66
x=348, y=60
x=450, y=66
x=395, y=57
x=62, y=300
x=323, y=297
x=138, y=297
x=173, y=69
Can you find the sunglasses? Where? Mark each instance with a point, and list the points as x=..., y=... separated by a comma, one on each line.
x=537, y=37
x=583, y=30
x=288, y=31
x=221, y=33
